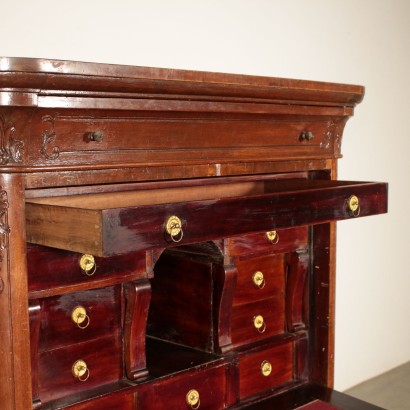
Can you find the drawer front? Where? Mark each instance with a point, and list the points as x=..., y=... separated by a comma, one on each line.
x=265, y=369
x=260, y=278
x=285, y=240
x=203, y=389
x=79, y=367
x=258, y=320
x=50, y=270
x=284, y=203
x=80, y=316
x=107, y=138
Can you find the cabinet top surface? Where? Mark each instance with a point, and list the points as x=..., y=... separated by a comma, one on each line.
x=46, y=74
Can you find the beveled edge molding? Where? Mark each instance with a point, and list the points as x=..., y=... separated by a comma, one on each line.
x=11, y=149
x=49, y=137
x=4, y=223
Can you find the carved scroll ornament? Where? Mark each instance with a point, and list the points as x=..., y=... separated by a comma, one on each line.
x=11, y=149
x=49, y=136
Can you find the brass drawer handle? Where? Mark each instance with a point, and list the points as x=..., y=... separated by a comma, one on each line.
x=80, y=318
x=266, y=368
x=273, y=237
x=88, y=265
x=259, y=323
x=174, y=228
x=80, y=370
x=192, y=399
x=306, y=136
x=258, y=279
x=96, y=136
x=353, y=205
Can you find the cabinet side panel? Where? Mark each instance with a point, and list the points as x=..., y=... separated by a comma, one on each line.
x=322, y=303
x=14, y=324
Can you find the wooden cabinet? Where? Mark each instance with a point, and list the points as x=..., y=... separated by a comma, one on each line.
x=167, y=237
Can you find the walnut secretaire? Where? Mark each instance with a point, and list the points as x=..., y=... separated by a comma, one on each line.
x=167, y=237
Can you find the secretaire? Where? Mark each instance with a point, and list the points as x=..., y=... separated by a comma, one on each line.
x=167, y=237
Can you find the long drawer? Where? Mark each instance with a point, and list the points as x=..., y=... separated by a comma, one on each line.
x=114, y=223
x=74, y=138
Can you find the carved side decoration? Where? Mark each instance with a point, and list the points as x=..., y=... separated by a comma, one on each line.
x=49, y=137
x=333, y=134
x=4, y=223
x=11, y=149
x=329, y=135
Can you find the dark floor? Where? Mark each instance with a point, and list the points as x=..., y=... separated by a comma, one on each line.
x=390, y=390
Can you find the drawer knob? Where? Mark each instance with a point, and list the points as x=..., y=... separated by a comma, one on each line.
x=80, y=318
x=80, y=370
x=87, y=264
x=96, y=136
x=306, y=136
x=258, y=279
x=192, y=399
x=266, y=368
x=273, y=237
x=173, y=228
x=259, y=323
x=353, y=205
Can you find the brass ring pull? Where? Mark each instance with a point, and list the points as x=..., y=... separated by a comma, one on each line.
x=80, y=318
x=272, y=237
x=192, y=399
x=259, y=323
x=174, y=229
x=80, y=370
x=258, y=279
x=88, y=265
x=353, y=205
x=266, y=368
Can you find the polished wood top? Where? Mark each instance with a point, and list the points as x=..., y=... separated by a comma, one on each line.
x=40, y=76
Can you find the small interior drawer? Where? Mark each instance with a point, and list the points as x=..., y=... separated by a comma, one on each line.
x=79, y=367
x=266, y=369
x=260, y=278
x=258, y=320
x=113, y=223
x=203, y=388
x=79, y=317
x=255, y=244
x=54, y=271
